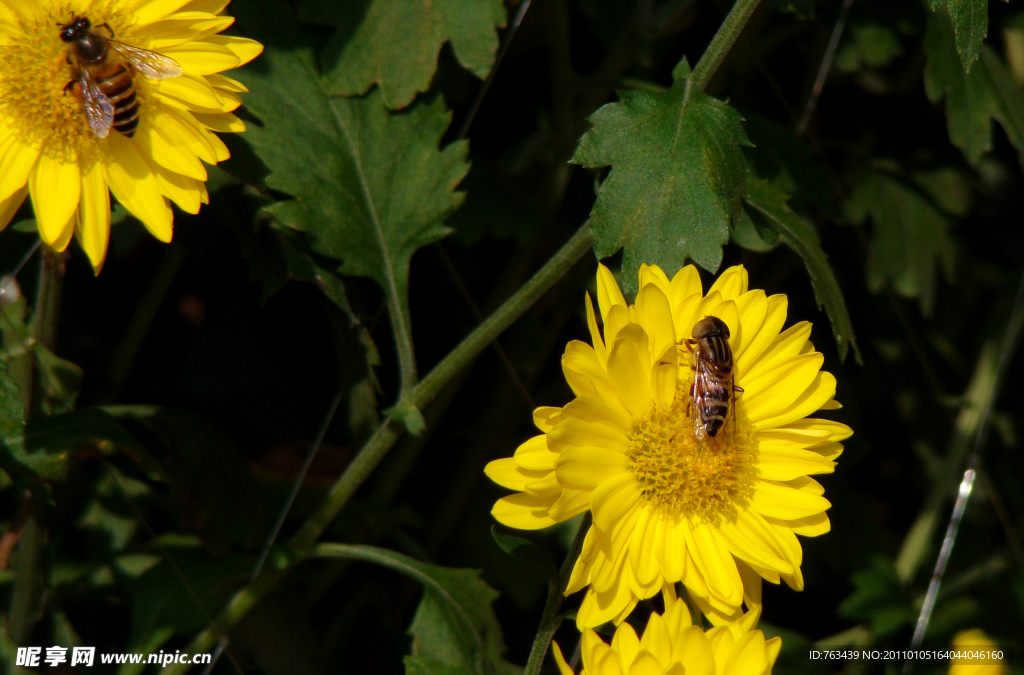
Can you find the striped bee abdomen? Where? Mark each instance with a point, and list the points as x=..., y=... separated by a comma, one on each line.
x=117, y=84
x=713, y=384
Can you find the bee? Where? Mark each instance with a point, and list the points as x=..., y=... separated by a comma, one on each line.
x=714, y=384
x=106, y=86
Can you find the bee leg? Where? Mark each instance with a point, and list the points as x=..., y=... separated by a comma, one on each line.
x=738, y=389
x=109, y=29
x=69, y=86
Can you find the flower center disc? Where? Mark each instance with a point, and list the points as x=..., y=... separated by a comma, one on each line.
x=700, y=479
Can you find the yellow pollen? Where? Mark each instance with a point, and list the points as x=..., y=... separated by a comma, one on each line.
x=34, y=72
x=701, y=480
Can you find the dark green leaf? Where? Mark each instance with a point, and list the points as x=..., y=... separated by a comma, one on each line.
x=764, y=201
x=396, y=43
x=868, y=45
x=910, y=236
x=12, y=416
x=369, y=187
x=60, y=380
x=784, y=161
x=752, y=234
x=524, y=550
x=879, y=598
x=676, y=181
x=49, y=446
x=973, y=99
x=209, y=478
x=182, y=596
x=970, y=23
x=425, y=665
x=454, y=624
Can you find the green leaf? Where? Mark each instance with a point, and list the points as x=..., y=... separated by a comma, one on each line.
x=878, y=598
x=970, y=24
x=181, y=595
x=396, y=43
x=47, y=448
x=869, y=45
x=975, y=98
x=769, y=204
x=210, y=480
x=370, y=187
x=12, y=415
x=910, y=237
x=454, y=629
x=676, y=181
x=524, y=550
x=789, y=165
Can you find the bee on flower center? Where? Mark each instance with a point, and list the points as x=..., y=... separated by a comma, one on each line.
x=106, y=85
x=714, y=384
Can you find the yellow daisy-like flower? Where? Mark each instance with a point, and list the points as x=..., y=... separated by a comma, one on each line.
x=672, y=645
x=718, y=513
x=975, y=640
x=49, y=151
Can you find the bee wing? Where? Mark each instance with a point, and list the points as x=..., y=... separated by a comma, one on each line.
x=98, y=108
x=152, y=65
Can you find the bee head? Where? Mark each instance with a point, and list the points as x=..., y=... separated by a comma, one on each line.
x=76, y=29
x=709, y=327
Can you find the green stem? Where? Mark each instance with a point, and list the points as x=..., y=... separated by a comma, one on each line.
x=723, y=41
x=550, y=619
x=389, y=431
x=27, y=598
x=398, y=310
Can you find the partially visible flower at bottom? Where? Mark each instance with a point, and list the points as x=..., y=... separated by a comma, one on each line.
x=975, y=640
x=672, y=645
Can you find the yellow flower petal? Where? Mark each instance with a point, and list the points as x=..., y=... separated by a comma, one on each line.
x=16, y=161
x=10, y=206
x=524, y=511
x=136, y=187
x=731, y=283
x=244, y=49
x=748, y=657
x=613, y=499
x=608, y=293
x=94, y=215
x=149, y=11
x=563, y=665
x=584, y=468
x=55, y=186
x=777, y=500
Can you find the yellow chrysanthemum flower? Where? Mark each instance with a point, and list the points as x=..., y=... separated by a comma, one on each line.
x=49, y=151
x=975, y=640
x=717, y=513
x=672, y=645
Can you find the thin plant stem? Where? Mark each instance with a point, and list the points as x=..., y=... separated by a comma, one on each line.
x=377, y=446
x=506, y=362
x=723, y=41
x=826, y=65
x=145, y=313
x=398, y=311
x=517, y=20
x=1010, y=339
x=550, y=619
x=314, y=447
